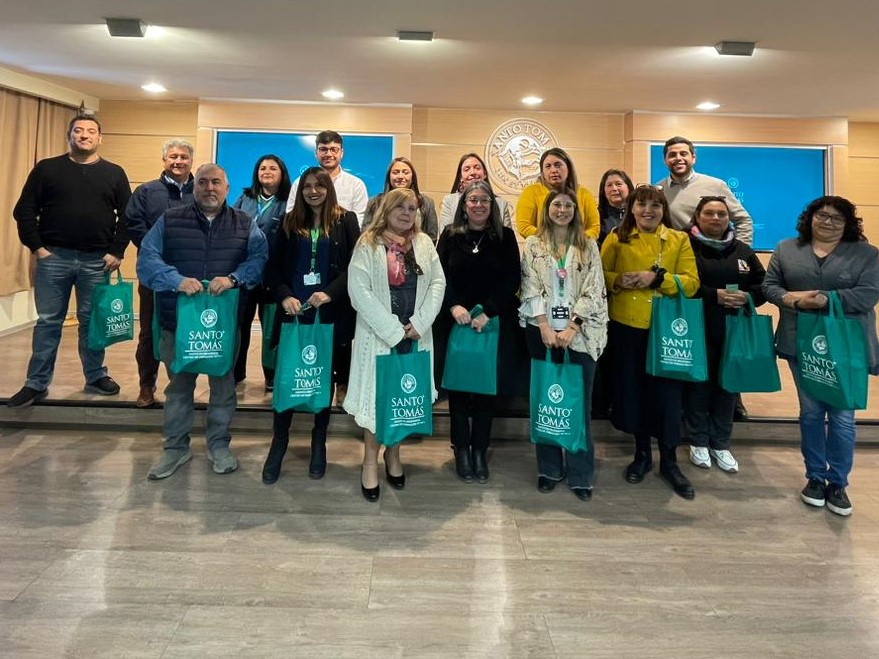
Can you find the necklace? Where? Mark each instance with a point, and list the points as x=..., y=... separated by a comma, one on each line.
x=475, y=249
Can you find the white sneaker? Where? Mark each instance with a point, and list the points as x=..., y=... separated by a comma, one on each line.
x=699, y=457
x=725, y=461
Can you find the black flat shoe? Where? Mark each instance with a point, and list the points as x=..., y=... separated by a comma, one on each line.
x=545, y=484
x=681, y=485
x=369, y=493
x=640, y=467
x=396, y=482
x=582, y=493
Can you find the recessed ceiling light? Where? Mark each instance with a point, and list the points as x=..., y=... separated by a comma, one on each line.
x=532, y=100
x=125, y=27
x=414, y=35
x=741, y=48
x=333, y=94
x=708, y=105
x=153, y=87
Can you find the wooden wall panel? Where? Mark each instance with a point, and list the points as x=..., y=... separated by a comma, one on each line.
x=139, y=155
x=862, y=180
x=307, y=117
x=158, y=118
x=863, y=140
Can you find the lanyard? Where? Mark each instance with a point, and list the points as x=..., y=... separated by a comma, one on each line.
x=262, y=203
x=562, y=272
x=315, y=234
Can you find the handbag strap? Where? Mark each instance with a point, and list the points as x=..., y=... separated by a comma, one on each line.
x=834, y=307
x=566, y=358
x=750, y=308
x=679, y=285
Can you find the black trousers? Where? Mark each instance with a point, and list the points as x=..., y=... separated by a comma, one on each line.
x=464, y=406
x=643, y=405
x=147, y=365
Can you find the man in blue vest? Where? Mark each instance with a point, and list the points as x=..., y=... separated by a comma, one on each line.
x=204, y=240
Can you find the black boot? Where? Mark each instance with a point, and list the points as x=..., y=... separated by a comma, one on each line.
x=271, y=470
x=671, y=473
x=318, y=465
x=640, y=466
x=464, y=464
x=480, y=465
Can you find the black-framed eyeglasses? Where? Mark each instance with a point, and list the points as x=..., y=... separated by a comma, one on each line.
x=713, y=197
x=835, y=220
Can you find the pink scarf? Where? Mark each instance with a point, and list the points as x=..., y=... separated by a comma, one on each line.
x=397, y=248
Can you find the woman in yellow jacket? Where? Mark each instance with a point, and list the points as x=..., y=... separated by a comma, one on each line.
x=556, y=173
x=639, y=259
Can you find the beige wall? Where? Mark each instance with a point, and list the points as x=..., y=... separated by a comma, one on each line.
x=863, y=175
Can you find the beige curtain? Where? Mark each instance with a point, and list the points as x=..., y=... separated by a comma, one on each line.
x=18, y=137
x=30, y=129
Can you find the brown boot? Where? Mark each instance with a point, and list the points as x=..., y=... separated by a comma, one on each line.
x=147, y=397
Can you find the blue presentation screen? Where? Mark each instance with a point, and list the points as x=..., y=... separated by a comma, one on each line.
x=774, y=184
x=366, y=156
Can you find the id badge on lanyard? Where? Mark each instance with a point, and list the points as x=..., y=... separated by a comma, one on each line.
x=313, y=278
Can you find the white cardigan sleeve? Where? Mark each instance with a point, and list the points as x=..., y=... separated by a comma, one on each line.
x=370, y=294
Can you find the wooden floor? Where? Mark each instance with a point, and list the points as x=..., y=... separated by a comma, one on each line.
x=97, y=561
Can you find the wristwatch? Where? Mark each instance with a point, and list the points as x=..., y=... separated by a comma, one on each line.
x=578, y=321
x=234, y=280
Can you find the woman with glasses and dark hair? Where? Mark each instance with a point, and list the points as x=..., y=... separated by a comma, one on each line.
x=471, y=168
x=829, y=254
x=729, y=271
x=640, y=258
x=401, y=174
x=396, y=285
x=556, y=173
x=613, y=191
x=309, y=264
x=563, y=304
x=480, y=259
x=265, y=201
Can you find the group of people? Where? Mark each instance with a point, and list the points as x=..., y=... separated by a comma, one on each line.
x=391, y=274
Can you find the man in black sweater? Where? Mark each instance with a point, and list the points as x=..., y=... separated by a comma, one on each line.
x=71, y=216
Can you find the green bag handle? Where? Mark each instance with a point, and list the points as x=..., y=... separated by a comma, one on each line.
x=108, y=275
x=834, y=307
x=476, y=311
x=752, y=310
x=566, y=358
x=316, y=316
x=679, y=285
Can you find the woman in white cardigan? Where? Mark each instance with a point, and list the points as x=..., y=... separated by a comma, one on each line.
x=396, y=285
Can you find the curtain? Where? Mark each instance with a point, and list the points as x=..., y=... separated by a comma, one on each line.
x=18, y=137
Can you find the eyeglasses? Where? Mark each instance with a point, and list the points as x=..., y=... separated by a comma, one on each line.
x=835, y=220
x=708, y=198
x=324, y=150
x=563, y=205
x=479, y=201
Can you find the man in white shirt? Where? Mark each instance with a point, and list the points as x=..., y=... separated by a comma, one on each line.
x=684, y=188
x=350, y=190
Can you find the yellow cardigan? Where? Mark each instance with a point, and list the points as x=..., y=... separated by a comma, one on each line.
x=529, y=210
x=666, y=247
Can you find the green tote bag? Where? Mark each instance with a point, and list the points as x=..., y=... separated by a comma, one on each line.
x=676, y=345
x=748, y=362
x=303, y=378
x=557, y=407
x=112, y=315
x=832, y=357
x=471, y=357
x=403, y=396
x=204, y=341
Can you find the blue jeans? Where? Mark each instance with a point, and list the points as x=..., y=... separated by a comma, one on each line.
x=827, y=437
x=180, y=403
x=55, y=278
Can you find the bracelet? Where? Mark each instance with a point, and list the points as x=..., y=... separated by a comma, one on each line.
x=657, y=279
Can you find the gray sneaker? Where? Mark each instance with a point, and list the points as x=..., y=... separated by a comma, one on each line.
x=168, y=463
x=223, y=460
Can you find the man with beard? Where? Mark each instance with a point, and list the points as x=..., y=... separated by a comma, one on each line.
x=203, y=240
x=350, y=190
x=71, y=216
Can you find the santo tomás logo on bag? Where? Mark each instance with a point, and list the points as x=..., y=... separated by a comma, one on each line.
x=208, y=318
x=677, y=350
x=408, y=383
x=554, y=419
x=120, y=322
x=408, y=410
x=206, y=343
x=309, y=354
x=307, y=380
x=816, y=367
x=556, y=394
